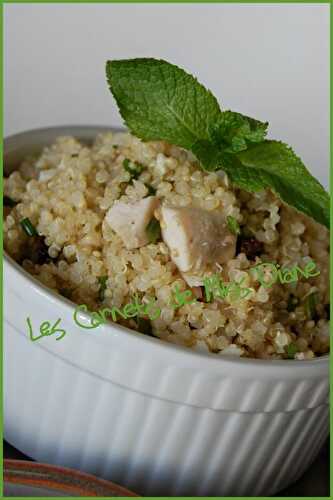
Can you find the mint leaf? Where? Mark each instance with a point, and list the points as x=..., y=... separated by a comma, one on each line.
x=208, y=154
x=159, y=101
x=234, y=132
x=274, y=165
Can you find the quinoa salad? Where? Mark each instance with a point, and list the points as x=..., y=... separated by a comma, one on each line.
x=96, y=224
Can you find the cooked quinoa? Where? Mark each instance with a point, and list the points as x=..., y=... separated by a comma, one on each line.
x=66, y=193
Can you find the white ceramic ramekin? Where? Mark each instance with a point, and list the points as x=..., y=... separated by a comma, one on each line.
x=157, y=418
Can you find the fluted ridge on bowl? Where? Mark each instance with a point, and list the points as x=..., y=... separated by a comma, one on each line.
x=151, y=446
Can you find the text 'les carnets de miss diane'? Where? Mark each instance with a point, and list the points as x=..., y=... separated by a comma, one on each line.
x=266, y=273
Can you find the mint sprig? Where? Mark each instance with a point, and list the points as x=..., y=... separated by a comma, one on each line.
x=159, y=101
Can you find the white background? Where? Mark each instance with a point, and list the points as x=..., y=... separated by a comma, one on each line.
x=268, y=61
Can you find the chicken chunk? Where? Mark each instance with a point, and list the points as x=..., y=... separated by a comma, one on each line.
x=196, y=237
x=130, y=220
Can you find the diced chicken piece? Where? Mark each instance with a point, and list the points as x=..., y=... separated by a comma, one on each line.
x=196, y=237
x=130, y=220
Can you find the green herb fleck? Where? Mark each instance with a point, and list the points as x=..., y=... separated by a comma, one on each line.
x=144, y=326
x=292, y=303
x=233, y=225
x=153, y=230
x=159, y=101
x=291, y=350
x=101, y=292
x=151, y=190
x=8, y=202
x=133, y=168
x=311, y=305
x=28, y=227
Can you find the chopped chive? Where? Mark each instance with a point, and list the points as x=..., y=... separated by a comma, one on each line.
x=8, y=202
x=233, y=225
x=292, y=303
x=291, y=350
x=311, y=305
x=133, y=168
x=153, y=230
x=151, y=190
x=144, y=326
x=28, y=227
x=101, y=292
